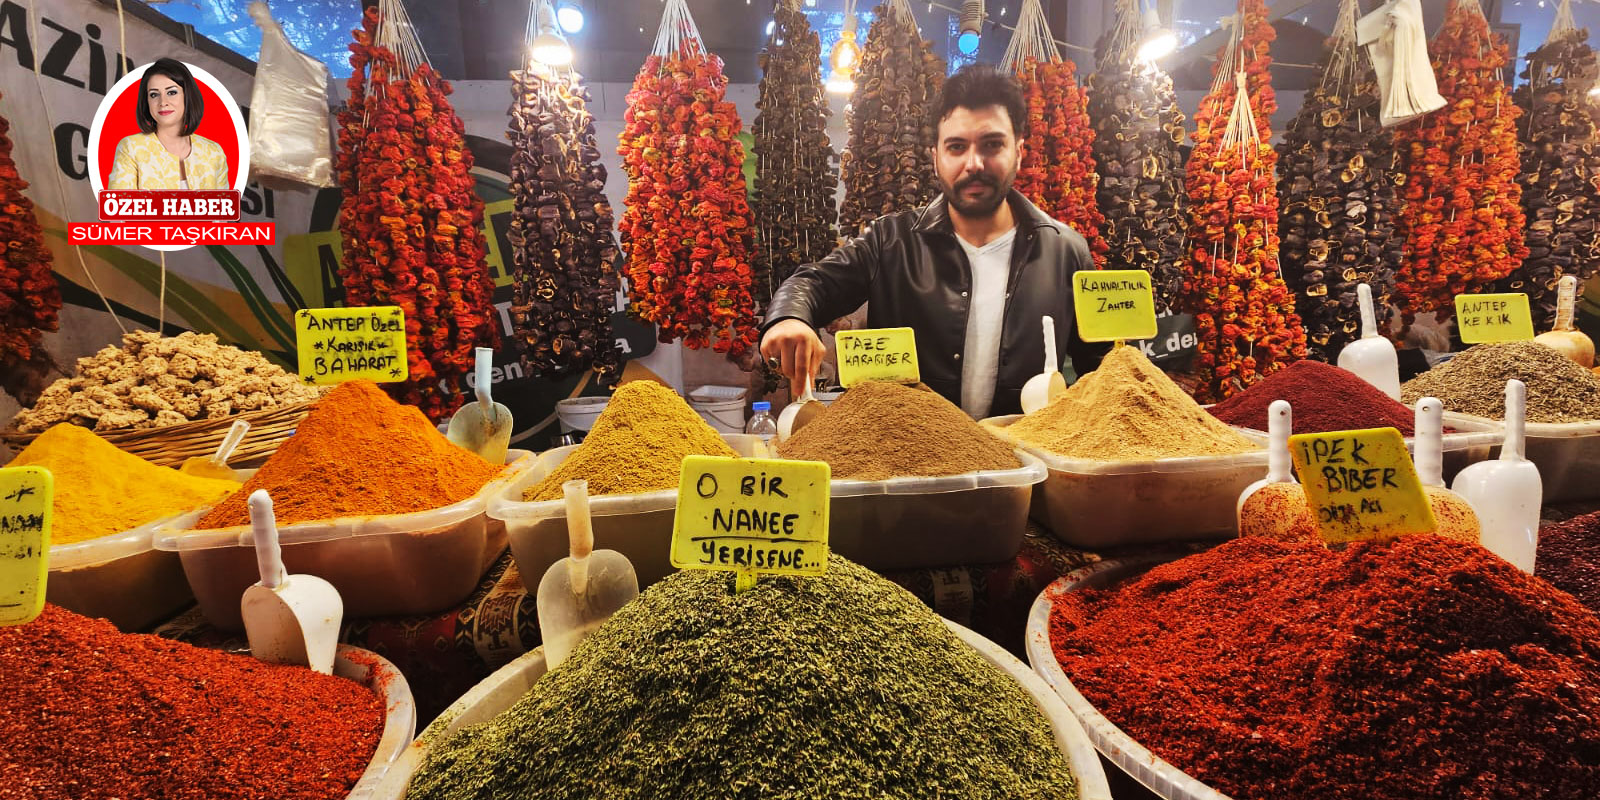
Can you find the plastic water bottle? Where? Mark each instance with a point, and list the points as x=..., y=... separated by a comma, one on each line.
x=763, y=425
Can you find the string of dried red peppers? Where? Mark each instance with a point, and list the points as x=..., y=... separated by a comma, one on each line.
x=1462, y=217
x=411, y=220
x=687, y=226
x=29, y=297
x=1245, y=316
x=1058, y=169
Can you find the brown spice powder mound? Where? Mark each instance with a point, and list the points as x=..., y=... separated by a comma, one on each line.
x=1128, y=410
x=1475, y=383
x=637, y=445
x=883, y=430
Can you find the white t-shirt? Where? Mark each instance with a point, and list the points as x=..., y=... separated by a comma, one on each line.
x=980, y=360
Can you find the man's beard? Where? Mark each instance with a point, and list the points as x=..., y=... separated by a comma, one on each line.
x=982, y=207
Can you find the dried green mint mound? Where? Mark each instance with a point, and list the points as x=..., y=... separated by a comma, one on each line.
x=838, y=687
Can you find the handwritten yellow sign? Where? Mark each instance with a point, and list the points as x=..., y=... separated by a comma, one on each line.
x=878, y=354
x=1361, y=484
x=346, y=344
x=1493, y=318
x=25, y=494
x=752, y=515
x=1113, y=305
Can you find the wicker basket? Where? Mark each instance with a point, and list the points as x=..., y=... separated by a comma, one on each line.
x=171, y=445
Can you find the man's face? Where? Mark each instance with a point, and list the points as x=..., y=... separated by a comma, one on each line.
x=976, y=159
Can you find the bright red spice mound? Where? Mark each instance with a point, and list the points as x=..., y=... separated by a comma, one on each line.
x=1424, y=668
x=1324, y=398
x=89, y=713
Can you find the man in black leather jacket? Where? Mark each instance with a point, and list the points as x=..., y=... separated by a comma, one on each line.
x=972, y=273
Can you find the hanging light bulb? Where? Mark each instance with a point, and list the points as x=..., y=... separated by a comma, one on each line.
x=569, y=14
x=1158, y=40
x=845, y=57
x=971, y=26
x=549, y=47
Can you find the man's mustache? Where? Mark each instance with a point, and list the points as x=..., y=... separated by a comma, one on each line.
x=980, y=178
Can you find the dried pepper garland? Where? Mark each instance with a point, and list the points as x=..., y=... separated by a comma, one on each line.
x=888, y=165
x=1138, y=134
x=410, y=218
x=1058, y=169
x=795, y=212
x=1337, y=187
x=687, y=227
x=1560, y=176
x=1462, y=218
x=564, y=272
x=1245, y=318
x=29, y=297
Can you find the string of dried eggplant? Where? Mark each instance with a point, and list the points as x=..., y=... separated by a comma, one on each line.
x=1337, y=186
x=796, y=217
x=1138, y=136
x=888, y=163
x=564, y=273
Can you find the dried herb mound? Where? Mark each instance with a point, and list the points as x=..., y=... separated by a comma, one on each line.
x=881, y=430
x=840, y=686
x=888, y=165
x=1425, y=669
x=1474, y=382
x=1138, y=133
x=796, y=181
x=1058, y=168
x=1560, y=167
x=1569, y=558
x=29, y=297
x=564, y=258
x=1322, y=398
x=1337, y=186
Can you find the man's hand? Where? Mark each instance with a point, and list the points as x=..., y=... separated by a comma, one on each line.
x=798, y=349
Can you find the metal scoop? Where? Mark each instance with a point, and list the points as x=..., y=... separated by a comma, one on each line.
x=216, y=465
x=289, y=619
x=799, y=413
x=483, y=427
x=1042, y=388
x=580, y=592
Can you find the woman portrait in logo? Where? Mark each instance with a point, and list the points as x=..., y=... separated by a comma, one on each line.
x=167, y=154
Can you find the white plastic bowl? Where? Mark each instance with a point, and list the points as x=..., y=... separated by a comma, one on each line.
x=1567, y=454
x=400, y=710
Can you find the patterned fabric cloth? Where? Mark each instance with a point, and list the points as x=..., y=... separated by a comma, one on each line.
x=142, y=163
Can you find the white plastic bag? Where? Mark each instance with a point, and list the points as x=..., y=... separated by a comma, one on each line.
x=1398, y=44
x=289, y=130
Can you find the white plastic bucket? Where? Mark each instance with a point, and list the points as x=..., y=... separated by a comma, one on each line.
x=722, y=407
x=579, y=413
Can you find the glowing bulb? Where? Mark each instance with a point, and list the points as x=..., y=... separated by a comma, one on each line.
x=1158, y=41
x=569, y=15
x=770, y=25
x=840, y=84
x=548, y=48
x=967, y=43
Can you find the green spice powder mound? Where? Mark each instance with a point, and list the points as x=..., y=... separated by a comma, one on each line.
x=839, y=687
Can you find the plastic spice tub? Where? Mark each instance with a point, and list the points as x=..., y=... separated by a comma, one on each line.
x=1567, y=454
x=400, y=711
x=121, y=578
x=1472, y=442
x=1098, y=504
x=500, y=690
x=1149, y=769
x=895, y=524
x=399, y=564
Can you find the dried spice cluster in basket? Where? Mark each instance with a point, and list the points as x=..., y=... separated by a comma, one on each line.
x=564, y=274
x=1462, y=217
x=796, y=180
x=1138, y=131
x=410, y=218
x=1337, y=185
x=888, y=166
x=29, y=297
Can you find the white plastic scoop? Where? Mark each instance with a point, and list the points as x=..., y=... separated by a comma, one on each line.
x=289, y=619
x=799, y=413
x=483, y=427
x=1428, y=455
x=216, y=464
x=1280, y=468
x=1042, y=388
x=580, y=592
x=1372, y=356
x=1507, y=492
x=1564, y=336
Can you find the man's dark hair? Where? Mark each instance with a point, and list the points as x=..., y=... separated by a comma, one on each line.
x=194, y=105
x=978, y=86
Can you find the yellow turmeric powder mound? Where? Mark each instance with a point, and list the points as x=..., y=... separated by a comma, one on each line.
x=1127, y=410
x=637, y=445
x=100, y=490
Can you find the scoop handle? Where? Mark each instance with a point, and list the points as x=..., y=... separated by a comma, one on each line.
x=264, y=530
x=1566, y=299
x=1429, y=437
x=230, y=442
x=580, y=532
x=483, y=368
x=1516, y=421
x=1369, y=317
x=1051, y=364
x=1280, y=424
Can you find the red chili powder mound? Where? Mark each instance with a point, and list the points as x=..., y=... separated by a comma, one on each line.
x=1324, y=398
x=89, y=713
x=358, y=453
x=1423, y=669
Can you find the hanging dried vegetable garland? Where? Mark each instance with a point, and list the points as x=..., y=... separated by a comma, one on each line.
x=888, y=165
x=29, y=297
x=1245, y=318
x=687, y=226
x=1339, y=200
x=796, y=181
x=1138, y=134
x=1560, y=176
x=1058, y=167
x=1462, y=218
x=564, y=271
x=410, y=218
